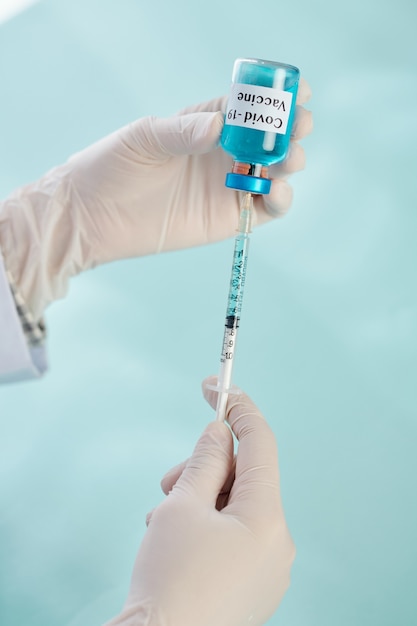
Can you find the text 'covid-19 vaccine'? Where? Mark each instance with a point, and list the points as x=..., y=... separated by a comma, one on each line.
x=258, y=121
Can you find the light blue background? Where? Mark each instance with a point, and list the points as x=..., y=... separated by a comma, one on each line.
x=334, y=370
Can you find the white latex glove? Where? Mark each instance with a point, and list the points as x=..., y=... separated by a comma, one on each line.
x=154, y=185
x=224, y=565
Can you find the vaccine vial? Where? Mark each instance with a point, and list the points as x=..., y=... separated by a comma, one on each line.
x=258, y=121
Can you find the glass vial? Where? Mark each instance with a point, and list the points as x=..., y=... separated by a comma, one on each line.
x=258, y=121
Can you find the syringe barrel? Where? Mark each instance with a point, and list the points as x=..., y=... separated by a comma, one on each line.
x=234, y=309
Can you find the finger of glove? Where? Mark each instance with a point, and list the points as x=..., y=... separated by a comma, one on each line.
x=224, y=495
x=276, y=204
x=149, y=517
x=303, y=123
x=257, y=473
x=304, y=91
x=209, y=466
x=160, y=138
x=171, y=477
x=295, y=161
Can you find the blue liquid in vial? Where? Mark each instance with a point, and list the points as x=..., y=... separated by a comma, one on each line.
x=247, y=145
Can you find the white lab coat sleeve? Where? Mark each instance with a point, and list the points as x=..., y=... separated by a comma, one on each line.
x=18, y=360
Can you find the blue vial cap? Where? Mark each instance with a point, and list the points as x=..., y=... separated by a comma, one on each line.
x=243, y=182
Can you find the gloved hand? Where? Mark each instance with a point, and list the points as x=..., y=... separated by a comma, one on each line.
x=154, y=185
x=227, y=565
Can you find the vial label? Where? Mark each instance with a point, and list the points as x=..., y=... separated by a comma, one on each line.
x=261, y=108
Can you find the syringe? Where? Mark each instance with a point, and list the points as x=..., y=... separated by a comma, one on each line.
x=234, y=304
x=256, y=134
